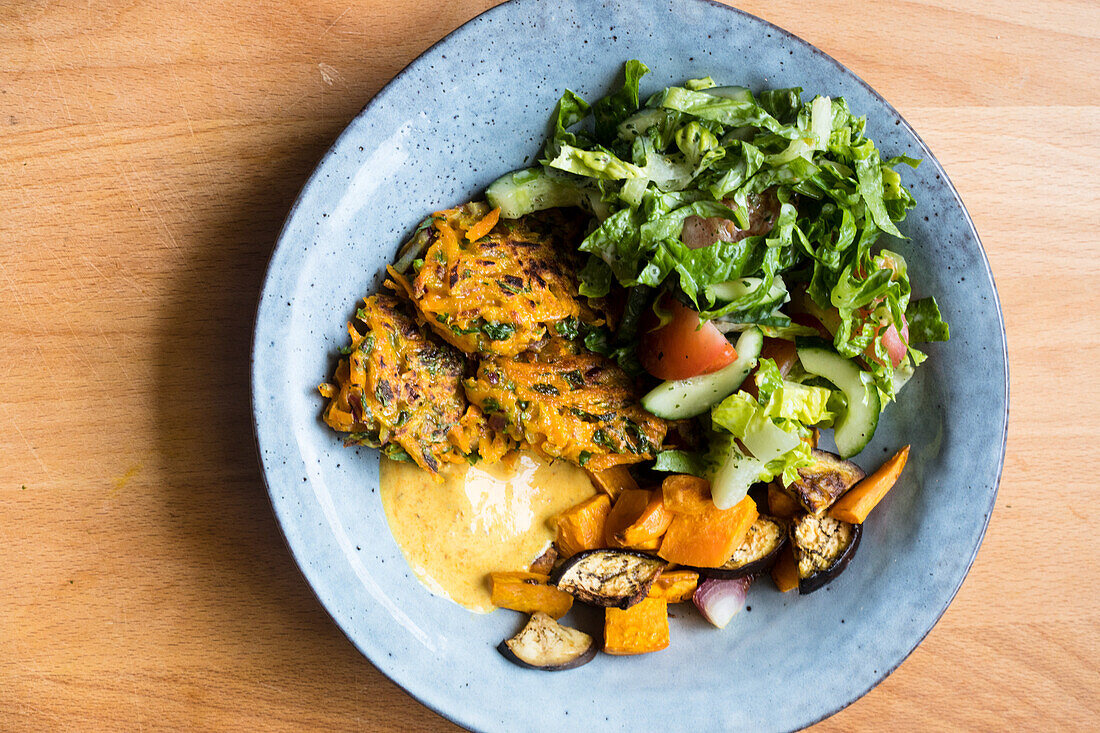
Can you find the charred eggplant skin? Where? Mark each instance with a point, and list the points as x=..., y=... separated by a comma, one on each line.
x=580, y=576
x=585, y=656
x=579, y=661
x=821, y=484
x=821, y=578
x=732, y=569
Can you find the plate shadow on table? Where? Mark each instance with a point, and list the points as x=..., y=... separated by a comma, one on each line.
x=232, y=552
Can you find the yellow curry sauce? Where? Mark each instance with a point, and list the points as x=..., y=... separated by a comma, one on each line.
x=481, y=518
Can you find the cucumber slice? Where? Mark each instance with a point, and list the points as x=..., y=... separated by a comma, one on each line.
x=639, y=122
x=854, y=429
x=741, y=94
x=682, y=398
x=731, y=482
x=765, y=441
x=725, y=293
x=533, y=189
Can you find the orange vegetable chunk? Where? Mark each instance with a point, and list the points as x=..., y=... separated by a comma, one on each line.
x=528, y=592
x=785, y=570
x=858, y=502
x=483, y=226
x=581, y=527
x=626, y=510
x=675, y=586
x=708, y=539
x=645, y=531
x=686, y=494
x=781, y=504
x=640, y=629
x=613, y=481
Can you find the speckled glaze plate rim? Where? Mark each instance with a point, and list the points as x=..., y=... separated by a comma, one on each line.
x=423, y=696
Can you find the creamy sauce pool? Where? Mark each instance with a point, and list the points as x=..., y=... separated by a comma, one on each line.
x=480, y=519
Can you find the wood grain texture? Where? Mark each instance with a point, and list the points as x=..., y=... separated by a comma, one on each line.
x=149, y=152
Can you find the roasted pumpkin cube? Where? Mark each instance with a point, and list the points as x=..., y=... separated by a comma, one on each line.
x=646, y=530
x=581, y=527
x=640, y=629
x=708, y=539
x=781, y=504
x=528, y=593
x=675, y=586
x=624, y=512
x=613, y=481
x=686, y=494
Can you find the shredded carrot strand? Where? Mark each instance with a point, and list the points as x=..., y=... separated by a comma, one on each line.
x=484, y=226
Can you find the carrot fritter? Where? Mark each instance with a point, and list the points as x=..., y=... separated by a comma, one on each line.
x=400, y=389
x=502, y=293
x=567, y=403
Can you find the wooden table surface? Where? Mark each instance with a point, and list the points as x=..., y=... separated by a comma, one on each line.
x=149, y=153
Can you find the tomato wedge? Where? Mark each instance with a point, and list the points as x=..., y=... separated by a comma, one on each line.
x=684, y=347
x=828, y=321
x=894, y=343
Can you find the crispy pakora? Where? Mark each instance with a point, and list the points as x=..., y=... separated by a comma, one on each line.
x=496, y=293
x=567, y=403
x=400, y=389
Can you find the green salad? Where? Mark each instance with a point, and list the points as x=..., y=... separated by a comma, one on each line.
x=743, y=234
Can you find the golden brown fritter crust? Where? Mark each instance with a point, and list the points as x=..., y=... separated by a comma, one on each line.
x=567, y=403
x=505, y=292
x=400, y=389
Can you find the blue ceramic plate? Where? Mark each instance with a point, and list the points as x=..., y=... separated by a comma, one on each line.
x=472, y=108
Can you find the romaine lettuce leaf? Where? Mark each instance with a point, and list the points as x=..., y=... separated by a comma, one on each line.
x=616, y=107
x=925, y=322
x=599, y=164
x=680, y=461
x=701, y=150
x=782, y=399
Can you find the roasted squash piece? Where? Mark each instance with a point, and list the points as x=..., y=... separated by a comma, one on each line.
x=626, y=509
x=781, y=504
x=640, y=629
x=708, y=539
x=613, y=481
x=756, y=553
x=581, y=527
x=686, y=494
x=646, y=530
x=651, y=544
x=785, y=570
x=675, y=586
x=865, y=496
x=528, y=593
x=823, y=483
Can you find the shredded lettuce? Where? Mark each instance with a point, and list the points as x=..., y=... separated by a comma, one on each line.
x=812, y=195
x=781, y=399
x=680, y=461
x=925, y=322
x=771, y=447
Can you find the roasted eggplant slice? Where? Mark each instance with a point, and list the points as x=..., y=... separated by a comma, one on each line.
x=756, y=554
x=545, y=644
x=825, y=481
x=823, y=547
x=609, y=578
